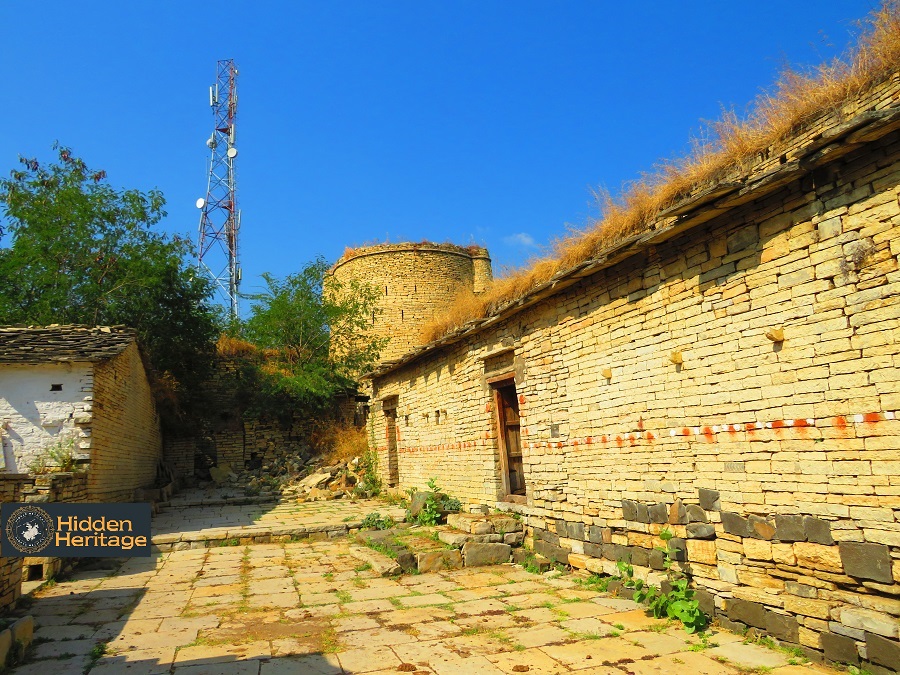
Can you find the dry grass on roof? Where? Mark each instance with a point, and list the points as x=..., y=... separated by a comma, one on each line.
x=227, y=345
x=797, y=99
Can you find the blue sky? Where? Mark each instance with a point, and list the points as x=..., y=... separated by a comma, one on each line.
x=486, y=122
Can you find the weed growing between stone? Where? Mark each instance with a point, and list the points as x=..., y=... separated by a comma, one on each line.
x=375, y=521
x=436, y=505
x=676, y=603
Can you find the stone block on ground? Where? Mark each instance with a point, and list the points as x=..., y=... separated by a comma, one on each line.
x=380, y=563
x=437, y=561
x=456, y=539
x=522, y=556
x=782, y=626
x=514, y=538
x=476, y=555
x=551, y=552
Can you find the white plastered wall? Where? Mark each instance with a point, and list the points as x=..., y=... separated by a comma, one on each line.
x=35, y=419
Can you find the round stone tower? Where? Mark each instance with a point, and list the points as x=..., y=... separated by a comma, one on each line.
x=415, y=282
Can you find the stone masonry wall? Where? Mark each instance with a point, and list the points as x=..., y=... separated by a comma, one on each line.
x=42, y=408
x=233, y=438
x=416, y=281
x=10, y=568
x=738, y=384
x=126, y=445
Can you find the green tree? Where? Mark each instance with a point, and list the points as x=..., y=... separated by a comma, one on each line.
x=84, y=252
x=316, y=336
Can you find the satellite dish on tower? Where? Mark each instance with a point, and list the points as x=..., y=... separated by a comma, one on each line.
x=201, y=203
x=232, y=152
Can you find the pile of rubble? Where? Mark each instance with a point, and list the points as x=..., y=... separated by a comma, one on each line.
x=293, y=478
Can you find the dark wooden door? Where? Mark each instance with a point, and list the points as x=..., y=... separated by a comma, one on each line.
x=393, y=459
x=510, y=438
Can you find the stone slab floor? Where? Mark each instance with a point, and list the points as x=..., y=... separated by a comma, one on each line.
x=310, y=607
x=237, y=520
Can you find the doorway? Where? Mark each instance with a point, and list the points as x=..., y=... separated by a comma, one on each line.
x=393, y=460
x=513, y=475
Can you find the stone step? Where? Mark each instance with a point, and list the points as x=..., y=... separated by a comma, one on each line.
x=381, y=564
x=180, y=541
x=480, y=523
x=457, y=538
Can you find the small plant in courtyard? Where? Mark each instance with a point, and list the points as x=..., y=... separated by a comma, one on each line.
x=435, y=506
x=677, y=603
x=375, y=521
x=370, y=483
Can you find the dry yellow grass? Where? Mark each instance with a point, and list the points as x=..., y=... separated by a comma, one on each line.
x=337, y=441
x=797, y=99
x=232, y=346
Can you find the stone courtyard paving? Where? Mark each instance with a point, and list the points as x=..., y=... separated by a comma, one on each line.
x=311, y=607
x=205, y=515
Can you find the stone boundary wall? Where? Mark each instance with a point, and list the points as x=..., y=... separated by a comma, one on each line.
x=44, y=407
x=56, y=487
x=227, y=436
x=416, y=281
x=52, y=487
x=11, y=486
x=738, y=383
x=126, y=445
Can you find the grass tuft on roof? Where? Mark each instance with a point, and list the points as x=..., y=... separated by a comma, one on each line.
x=797, y=98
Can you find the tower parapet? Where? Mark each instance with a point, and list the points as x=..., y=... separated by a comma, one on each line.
x=415, y=282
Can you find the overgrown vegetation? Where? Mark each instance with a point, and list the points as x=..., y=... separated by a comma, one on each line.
x=84, y=252
x=58, y=457
x=375, y=521
x=676, y=603
x=734, y=142
x=339, y=441
x=304, y=343
x=370, y=483
x=436, y=505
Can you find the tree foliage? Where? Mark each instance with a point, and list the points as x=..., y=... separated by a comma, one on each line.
x=316, y=338
x=84, y=252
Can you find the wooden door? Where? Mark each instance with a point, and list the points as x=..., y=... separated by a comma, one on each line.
x=510, y=439
x=393, y=459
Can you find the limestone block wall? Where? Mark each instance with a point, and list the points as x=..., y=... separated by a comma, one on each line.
x=738, y=384
x=229, y=435
x=10, y=568
x=42, y=408
x=126, y=444
x=415, y=282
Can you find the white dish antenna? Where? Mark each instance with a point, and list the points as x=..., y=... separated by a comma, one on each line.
x=201, y=203
x=232, y=152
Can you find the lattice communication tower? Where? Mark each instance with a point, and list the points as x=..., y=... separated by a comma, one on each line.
x=220, y=219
